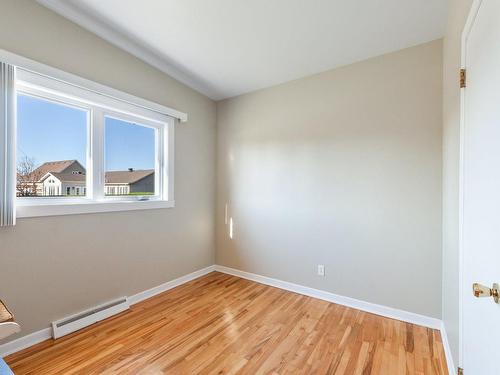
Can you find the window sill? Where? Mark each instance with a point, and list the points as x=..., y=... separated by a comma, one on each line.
x=39, y=210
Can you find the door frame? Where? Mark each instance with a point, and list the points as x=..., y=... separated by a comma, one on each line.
x=471, y=18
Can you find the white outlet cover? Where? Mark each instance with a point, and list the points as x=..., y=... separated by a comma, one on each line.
x=321, y=270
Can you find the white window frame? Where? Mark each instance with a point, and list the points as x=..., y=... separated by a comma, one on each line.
x=52, y=84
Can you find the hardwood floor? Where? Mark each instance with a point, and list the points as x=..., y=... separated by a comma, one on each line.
x=221, y=324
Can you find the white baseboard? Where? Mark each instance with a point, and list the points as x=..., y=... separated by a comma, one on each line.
x=25, y=341
x=447, y=351
x=385, y=311
x=141, y=296
x=46, y=333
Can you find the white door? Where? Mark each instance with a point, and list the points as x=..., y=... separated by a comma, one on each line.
x=481, y=190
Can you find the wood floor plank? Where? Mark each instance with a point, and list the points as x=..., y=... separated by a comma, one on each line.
x=221, y=324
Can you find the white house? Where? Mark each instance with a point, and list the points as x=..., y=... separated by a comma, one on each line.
x=63, y=184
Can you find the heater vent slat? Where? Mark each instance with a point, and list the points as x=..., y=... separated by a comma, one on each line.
x=85, y=318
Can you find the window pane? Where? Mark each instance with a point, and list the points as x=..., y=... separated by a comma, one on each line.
x=130, y=158
x=51, y=148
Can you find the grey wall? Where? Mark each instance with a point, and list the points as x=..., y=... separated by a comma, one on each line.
x=343, y=169
x=458, y=11
x=147, y=184
x=54, y=266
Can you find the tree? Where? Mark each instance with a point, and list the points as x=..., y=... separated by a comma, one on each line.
x=28, y=177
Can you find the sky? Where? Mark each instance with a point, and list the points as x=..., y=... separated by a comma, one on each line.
x=48, y=131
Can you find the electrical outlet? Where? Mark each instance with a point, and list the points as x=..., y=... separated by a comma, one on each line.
x=321, y=270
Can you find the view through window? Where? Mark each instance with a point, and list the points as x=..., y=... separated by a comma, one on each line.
x=51, y=148
x=52, y=152
x=129, y=158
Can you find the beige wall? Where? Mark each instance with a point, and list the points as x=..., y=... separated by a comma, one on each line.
x=52, y=267
x=458, y=12
x=343, y=169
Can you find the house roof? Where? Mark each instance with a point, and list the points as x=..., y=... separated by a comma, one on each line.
x=54, y=167
x=127, y=177
x=69, y=177
x=112, y=177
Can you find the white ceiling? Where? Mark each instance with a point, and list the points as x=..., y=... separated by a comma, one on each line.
x=224, y=48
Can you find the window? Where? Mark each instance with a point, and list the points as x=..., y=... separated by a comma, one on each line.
x=80, y=151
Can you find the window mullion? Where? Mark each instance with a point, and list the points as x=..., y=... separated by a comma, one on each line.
x=97, y=154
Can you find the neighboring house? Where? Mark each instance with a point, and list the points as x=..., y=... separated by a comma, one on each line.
x=41, y=181
x=68, y=178
x=130, y=182
x=63, y=184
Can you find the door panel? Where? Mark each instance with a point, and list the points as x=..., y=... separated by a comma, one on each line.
x=481, y=192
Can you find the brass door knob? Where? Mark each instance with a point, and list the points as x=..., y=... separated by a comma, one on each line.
x=483, y=291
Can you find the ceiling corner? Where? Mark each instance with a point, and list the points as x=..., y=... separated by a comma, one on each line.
x=126, y=43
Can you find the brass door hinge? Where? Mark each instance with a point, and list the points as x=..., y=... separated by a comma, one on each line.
x=463, y=78
x=460, y=371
